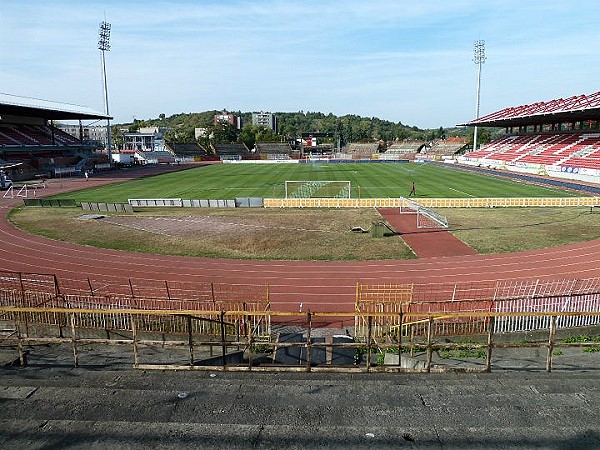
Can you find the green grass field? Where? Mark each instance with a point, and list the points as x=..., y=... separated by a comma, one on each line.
x=227, y=181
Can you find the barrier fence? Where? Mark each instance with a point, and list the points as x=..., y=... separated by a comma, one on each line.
x=430, y=202
x=42, y=308
x=233, y=330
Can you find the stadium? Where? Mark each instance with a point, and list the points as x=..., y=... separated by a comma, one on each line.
x=309, y=314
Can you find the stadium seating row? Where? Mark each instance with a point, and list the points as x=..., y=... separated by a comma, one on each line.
x=580, y=150
x=361, y=150
x=34, y=135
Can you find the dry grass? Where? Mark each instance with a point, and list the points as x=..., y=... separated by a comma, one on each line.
x=224, y=233
x=501, y=230
x=305, y=234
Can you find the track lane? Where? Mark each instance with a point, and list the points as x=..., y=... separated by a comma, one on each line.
x=321, y=285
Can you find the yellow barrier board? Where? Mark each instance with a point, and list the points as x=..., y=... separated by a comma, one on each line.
x=518, y=202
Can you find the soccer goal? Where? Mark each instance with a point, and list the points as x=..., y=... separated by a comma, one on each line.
x=408, y=206
x=317, y=189
x=428, y=218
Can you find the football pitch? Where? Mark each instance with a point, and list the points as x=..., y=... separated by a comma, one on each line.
x=228, y=181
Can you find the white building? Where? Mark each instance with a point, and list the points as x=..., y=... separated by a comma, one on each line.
x=87, y=134
x=147, y=139
x=266, y=120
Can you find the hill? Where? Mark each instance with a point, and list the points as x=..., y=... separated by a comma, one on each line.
x=349, y=128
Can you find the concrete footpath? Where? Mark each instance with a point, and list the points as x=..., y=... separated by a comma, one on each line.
x=52, y=405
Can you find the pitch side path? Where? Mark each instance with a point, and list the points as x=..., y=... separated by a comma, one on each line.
x=425, y=242
x=318, y=285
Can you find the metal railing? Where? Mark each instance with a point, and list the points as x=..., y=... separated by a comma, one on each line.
x=236, y=330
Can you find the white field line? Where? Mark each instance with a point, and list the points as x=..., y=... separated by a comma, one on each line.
x=462, y=192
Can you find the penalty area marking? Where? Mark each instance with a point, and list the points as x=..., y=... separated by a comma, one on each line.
x=462, y=192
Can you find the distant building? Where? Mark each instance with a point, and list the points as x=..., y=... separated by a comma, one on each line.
x=200, y=132
x=266, y=120
x=87, y=134
x=147, y=139
x=226, y=117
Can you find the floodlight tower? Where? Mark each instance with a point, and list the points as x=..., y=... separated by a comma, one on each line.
x=479, y=59
x=104, y=46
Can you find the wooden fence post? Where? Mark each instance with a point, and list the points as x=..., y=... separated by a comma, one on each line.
x=400, y=340
x=551, y=343
x=136, y=359
x=308, y=339
x=429, y=344
x=223, y=346
x=248, y=330
x=73, y=340
x=369, y=337
x=490, y=344
x=190, y=339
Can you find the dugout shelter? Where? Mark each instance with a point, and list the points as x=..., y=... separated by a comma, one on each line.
x=32, y=146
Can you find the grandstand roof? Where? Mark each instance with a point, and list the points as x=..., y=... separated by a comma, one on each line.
x=14, y=105
x=578, y=107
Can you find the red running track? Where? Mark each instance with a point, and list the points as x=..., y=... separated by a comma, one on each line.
x=318, y=285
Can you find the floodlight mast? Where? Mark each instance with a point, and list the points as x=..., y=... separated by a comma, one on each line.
x=104, y=46
x=479, y=59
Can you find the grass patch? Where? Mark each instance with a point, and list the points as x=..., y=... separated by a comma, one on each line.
x=498, y=230
x=584, y=338
x=306, y=234
x=222, y=233
x=227, y=181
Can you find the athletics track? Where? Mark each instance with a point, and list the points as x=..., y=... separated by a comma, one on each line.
x=318, y=285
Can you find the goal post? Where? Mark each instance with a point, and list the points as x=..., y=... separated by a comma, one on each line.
x=408, y=206
x=428, y=218
x=317, y=189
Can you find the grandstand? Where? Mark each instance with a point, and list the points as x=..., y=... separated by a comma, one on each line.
x=155, y=157
x=34, y=146
x=231, y=151
x=274, y=150
x=445, y=147
x=357, y=150
x=404, y=150
x=188, y=151
x=560, y=138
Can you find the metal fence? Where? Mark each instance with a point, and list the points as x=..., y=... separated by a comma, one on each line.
x=233, y=331
x=505, y=296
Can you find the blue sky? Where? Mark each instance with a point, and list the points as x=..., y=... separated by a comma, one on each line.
x=407, y=61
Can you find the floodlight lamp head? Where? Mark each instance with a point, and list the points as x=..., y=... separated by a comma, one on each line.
x=104, y=36
x=479, y=52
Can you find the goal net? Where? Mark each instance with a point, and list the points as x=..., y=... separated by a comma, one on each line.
x=408, y=206
x=317, y=189
x=426, y=217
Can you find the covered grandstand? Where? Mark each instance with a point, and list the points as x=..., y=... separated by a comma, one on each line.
x=558, y=138
x=31, y=143
x=275, y=150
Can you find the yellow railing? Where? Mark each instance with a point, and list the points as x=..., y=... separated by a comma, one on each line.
x=431, y=202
